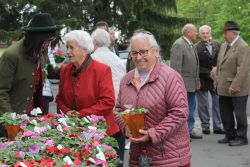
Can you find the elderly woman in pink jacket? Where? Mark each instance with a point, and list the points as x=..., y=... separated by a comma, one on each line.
x=155, y=86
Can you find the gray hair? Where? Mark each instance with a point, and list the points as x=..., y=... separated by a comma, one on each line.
x=187, y=27
x=142, y=35
x=237, y=32
x=101, y=38
x=205, y=27
x=82, y=38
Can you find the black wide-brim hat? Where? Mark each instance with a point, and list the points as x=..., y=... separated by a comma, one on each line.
x=231, y=26
x=42, y=22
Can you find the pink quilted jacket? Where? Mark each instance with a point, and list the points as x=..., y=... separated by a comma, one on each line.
x=165, y=96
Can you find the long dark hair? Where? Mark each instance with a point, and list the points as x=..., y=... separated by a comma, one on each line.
x=33, y=43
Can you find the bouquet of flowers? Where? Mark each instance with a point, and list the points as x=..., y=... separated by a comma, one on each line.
x=59, y=140
x=134, y=118
x=58, y=56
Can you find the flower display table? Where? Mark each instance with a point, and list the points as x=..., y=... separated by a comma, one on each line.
x=59, y=140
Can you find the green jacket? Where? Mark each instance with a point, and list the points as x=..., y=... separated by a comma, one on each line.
x=17, y=75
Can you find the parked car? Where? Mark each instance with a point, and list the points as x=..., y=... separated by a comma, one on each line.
x=123, y=55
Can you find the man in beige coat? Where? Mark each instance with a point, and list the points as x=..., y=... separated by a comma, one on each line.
x=232, y=84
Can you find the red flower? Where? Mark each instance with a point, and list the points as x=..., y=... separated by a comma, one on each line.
x=65, y=127
x=77, y=155
x=58, y=51
x=66, y=165
x=73, y=135
x=77, y=162
x=65, y=151
x=49, y=115
x=55, y=123
x=86, y=154
x=51, y=150
x=110, y=155
x=47, y=162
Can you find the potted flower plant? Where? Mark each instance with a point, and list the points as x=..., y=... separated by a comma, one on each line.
x=134, y=118
x=58, y=56
x=12, y=122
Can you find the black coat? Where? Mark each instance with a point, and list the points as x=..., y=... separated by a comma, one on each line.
x=207, y=62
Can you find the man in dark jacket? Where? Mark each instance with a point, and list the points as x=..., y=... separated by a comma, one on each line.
x=22, y=67
x=208, y=50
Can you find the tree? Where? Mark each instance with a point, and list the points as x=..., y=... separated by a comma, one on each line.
x=155, y=16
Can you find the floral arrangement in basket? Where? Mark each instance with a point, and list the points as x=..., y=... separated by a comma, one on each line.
x=58, y=56
x=59, y=140
x=134, y=118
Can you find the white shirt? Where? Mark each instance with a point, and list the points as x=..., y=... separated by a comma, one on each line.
x=233, y=42
x=105, y=56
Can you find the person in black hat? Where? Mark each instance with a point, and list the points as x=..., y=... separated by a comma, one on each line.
x=22, y=64
x=232, y=83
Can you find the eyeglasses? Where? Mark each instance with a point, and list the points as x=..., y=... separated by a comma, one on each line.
x=142, y=53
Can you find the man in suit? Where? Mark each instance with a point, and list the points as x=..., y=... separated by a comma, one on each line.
x=184, y=59
x=233, y=85
x=208, y=50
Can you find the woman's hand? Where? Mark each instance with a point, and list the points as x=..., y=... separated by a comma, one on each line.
x=127, y=132
x=72, y=113
x=143, y=139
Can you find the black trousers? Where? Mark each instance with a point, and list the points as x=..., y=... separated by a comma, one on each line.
x=120, y=138
x=233, y=112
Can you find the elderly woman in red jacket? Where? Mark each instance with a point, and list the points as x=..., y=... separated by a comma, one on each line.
x=86, y=85
x=160, y=89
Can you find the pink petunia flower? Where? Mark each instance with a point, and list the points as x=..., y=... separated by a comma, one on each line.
x=34, y=149
x=28, y=133
x=49, y=143
x=20, y=155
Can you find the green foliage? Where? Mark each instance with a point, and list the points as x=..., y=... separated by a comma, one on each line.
x=12, y=119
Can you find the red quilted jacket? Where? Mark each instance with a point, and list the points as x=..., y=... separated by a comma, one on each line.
x=165, y=96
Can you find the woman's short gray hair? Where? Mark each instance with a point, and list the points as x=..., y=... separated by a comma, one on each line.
x=82, y=38
x=147, y=36
x=101, y=38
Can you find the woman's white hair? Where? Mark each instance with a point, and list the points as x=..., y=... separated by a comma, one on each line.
x=82, y=38
x=101, y=38
x=147, y=36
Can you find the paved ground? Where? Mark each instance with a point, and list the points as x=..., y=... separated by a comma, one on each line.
x=206, y=152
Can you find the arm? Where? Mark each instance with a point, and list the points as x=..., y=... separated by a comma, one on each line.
x=119, y=108
x=7, y=74
x=176, y=57
x=59, y=98
x=106, y=100
x=177, y=113
x=243, y=65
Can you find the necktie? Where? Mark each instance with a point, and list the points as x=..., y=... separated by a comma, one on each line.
x=228, y=47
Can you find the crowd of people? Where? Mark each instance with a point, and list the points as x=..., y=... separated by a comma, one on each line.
x=93, y=81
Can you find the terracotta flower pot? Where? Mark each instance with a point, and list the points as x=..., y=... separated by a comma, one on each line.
x=12, y=131
x=135, y=122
